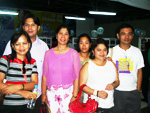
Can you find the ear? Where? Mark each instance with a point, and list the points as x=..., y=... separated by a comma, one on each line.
x=39, y=28
x=117, y=35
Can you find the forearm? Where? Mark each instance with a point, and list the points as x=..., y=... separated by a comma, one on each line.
x=44, y=86
x=139, y=79
x=116, y=83
x=75, y=87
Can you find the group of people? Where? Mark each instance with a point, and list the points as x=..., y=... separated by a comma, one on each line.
x=59, y=72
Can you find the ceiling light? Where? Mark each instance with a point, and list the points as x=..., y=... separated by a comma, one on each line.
x=102, y=13
x=75, y=18
x=8, y=13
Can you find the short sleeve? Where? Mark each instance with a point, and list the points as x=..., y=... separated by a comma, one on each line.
x=76, y=63
x=45, y=65
x=34, y=69
x=3, y=64
x=141, y=60
x=7, y=50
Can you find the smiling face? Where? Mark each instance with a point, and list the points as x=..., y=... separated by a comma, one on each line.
x=125, y=36
x=31, y=28
x=21, y=46
x=100, y=52
x=63, y=36
x=84, y=44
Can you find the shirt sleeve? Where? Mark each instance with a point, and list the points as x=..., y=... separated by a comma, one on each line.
x=141, y=60
x=45, y=65
x=3, y=65
x=7, y=50
x=76, y=63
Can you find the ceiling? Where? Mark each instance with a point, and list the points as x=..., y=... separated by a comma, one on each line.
x=81, y=7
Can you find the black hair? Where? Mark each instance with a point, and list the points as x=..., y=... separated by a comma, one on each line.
x=83, y=35
x=124, y=25
x=95, y=44
x=35, y=19
x=63, y=26
x=14, y=39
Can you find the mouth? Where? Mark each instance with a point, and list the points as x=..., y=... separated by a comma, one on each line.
x=22, y=50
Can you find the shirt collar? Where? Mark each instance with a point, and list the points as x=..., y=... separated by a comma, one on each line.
x=37, y=41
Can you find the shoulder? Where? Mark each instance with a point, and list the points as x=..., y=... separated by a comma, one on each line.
x=33, y=61
x=85, y=66
x=74, y=51
x=42, y=43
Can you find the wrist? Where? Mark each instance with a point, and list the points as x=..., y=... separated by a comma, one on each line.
x=95, y=93
x=74, y=96
x=22, y=86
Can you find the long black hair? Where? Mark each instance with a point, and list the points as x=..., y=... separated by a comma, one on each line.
x=95, y=44
x=14, y=39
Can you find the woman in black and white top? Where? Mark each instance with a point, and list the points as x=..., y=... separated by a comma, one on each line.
x=21, y=76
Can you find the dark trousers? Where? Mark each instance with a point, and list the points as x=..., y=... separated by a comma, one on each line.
x=15, y=109
x=37, y=105
x=127, y=102
x=101, y=110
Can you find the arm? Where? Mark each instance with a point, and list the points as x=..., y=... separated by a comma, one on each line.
x=44, y=88
x=77, y=67
x=139, y=79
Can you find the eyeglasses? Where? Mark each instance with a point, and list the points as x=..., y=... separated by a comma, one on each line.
x=23, y=67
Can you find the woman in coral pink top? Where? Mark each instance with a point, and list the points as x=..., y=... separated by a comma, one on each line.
x=60, y=74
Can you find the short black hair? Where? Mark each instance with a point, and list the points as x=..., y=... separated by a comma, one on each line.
x=124, y=25
x=35, y=19
x=95, y=44
x=14, y=39
x=83, y=35
x=62, y=26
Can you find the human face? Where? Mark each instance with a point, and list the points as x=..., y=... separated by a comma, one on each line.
x=63, y=36
x=100, y=52
x=21, y=46
x=31, y=28
x=84, y=44
x=125, y=36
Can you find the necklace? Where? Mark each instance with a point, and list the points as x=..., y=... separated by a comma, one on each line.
x=24, y=74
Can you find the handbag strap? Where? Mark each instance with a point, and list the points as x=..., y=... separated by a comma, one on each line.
x=80, y=92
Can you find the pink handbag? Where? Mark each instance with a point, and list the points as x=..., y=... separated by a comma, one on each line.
x=77, y=107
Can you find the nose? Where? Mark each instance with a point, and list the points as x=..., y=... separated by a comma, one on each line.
x=30, y=27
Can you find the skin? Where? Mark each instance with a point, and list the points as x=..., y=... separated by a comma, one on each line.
x=31, y=28
x=125, y=36
x=84, y=45
x=100, y=53
x=61, y=48
x=21, y=47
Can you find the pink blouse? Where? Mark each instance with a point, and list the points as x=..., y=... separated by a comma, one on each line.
x=61, y=69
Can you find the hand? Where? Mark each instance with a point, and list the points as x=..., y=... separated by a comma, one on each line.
x=28, y=94
x=109, y=58
x=102, y=94
x=44, y=98
x=72, y=99
x=109, y=87
x=11, y=89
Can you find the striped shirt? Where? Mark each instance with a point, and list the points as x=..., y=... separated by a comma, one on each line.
x=14, y=75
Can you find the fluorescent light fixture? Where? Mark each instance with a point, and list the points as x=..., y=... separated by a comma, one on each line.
x=8, y=13
x=102, y=13
x=75, y=18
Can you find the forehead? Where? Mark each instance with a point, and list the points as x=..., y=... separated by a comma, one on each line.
x=63, y=30
x=22, y=38
x=102, y=46
x=29, y=20
x=84, y=38
x=126, y=30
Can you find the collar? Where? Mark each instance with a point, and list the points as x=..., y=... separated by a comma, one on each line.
x=37, y=41
x=20, y=61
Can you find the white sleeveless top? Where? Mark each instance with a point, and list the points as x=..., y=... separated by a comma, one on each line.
x=98, y=78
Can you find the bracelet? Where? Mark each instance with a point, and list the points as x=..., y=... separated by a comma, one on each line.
x=22, y=86
x=74, y=96
x=95, y=92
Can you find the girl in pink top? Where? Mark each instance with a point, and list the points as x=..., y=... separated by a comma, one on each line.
x=60, y=74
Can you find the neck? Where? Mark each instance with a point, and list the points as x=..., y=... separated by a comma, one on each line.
x=33, y=39
x=21, y=57
x=99, y=62
x=61, y=47
x=85, y=55
x=125, y=47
